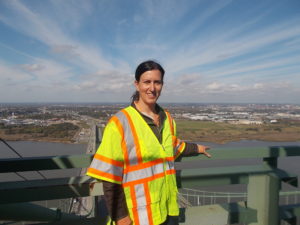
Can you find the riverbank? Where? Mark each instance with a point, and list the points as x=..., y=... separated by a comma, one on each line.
x=28, y=137
x=207, y=131
x=222, y=139
x=62, y=133
x=20, y=138
x=196, y=131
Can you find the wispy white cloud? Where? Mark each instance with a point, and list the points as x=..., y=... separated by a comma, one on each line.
x=269, y=66
x=17, y=51
x=23, y=19
x=113, y=82
x=11, y=75
x=32, y=67
x=72, y=14
x=225, y=46
x=232, y=92
x=163, y=12
x=66, y=50
x=49, y=31
x=211, y=50
x=206, y=12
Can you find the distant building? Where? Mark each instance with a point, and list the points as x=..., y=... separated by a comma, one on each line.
x=248, y=122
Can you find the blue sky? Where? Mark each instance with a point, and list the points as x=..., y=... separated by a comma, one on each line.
x=236, y=51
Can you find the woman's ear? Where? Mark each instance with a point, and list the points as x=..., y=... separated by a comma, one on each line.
x=136, y=84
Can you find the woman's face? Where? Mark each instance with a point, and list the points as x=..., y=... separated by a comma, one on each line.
x=149, y=86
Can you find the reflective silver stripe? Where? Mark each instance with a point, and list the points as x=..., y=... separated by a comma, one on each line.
x=170, y=119
x=141, y=204
x=144, y=173
x=143, y=215
x=176, y=149
x=129, y=140
x=106, y=167
x=170, y=165
x=140, y=195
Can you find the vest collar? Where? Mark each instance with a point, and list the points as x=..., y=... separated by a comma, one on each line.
x=149, y=120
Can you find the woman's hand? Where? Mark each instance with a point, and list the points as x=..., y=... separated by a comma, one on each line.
x=202, y=150
x=124, y=221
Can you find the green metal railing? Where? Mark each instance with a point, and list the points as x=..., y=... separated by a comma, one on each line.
x=195, y=197
x=263, y=181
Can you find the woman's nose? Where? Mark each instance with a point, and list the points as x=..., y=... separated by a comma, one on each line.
x=152, y=87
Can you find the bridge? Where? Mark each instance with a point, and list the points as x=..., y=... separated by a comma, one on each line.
x=80, y=198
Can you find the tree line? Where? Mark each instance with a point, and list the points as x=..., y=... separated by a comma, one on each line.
x=62, y=130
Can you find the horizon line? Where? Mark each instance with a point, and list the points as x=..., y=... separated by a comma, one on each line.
x=164, y=102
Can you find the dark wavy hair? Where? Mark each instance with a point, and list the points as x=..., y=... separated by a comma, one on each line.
x=142, y=68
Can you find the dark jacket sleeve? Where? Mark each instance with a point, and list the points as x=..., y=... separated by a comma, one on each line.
x=191, y=149
x=115, y=200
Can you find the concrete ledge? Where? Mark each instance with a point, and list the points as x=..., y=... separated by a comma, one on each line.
x=231, y=213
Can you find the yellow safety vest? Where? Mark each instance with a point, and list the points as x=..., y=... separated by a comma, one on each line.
x=131, y=155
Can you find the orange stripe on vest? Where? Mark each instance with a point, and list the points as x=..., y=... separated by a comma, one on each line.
x=148, y=200
x=123, y=144
x=143, y=165
x=108, y=160
x=135, y=137
x=147, y=179
x=103, y=174
x=134, y=204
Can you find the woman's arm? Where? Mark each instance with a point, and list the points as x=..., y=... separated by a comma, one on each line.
x=116, y=203
x=202, y=149
x=192, y=149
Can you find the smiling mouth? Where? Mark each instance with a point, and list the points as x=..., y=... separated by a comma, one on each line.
x=151, y=95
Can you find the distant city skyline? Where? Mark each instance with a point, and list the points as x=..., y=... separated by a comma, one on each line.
x=87, y=51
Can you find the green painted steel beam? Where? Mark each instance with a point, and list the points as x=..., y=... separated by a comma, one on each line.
x=189, y=178
x=36, y=190
x=85, y=221
x=32, y=212
x=263, y=196
x=231, y=213
x=83, y=161
x=28, y=212
x=290, y=213
x=45, y=163
x=285, y=176
x=248, y=152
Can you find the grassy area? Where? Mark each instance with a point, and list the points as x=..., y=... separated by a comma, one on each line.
x=224, y=132
x=187, y=129
x=63, y=132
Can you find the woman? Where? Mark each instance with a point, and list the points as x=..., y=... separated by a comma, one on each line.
x=136, y=157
